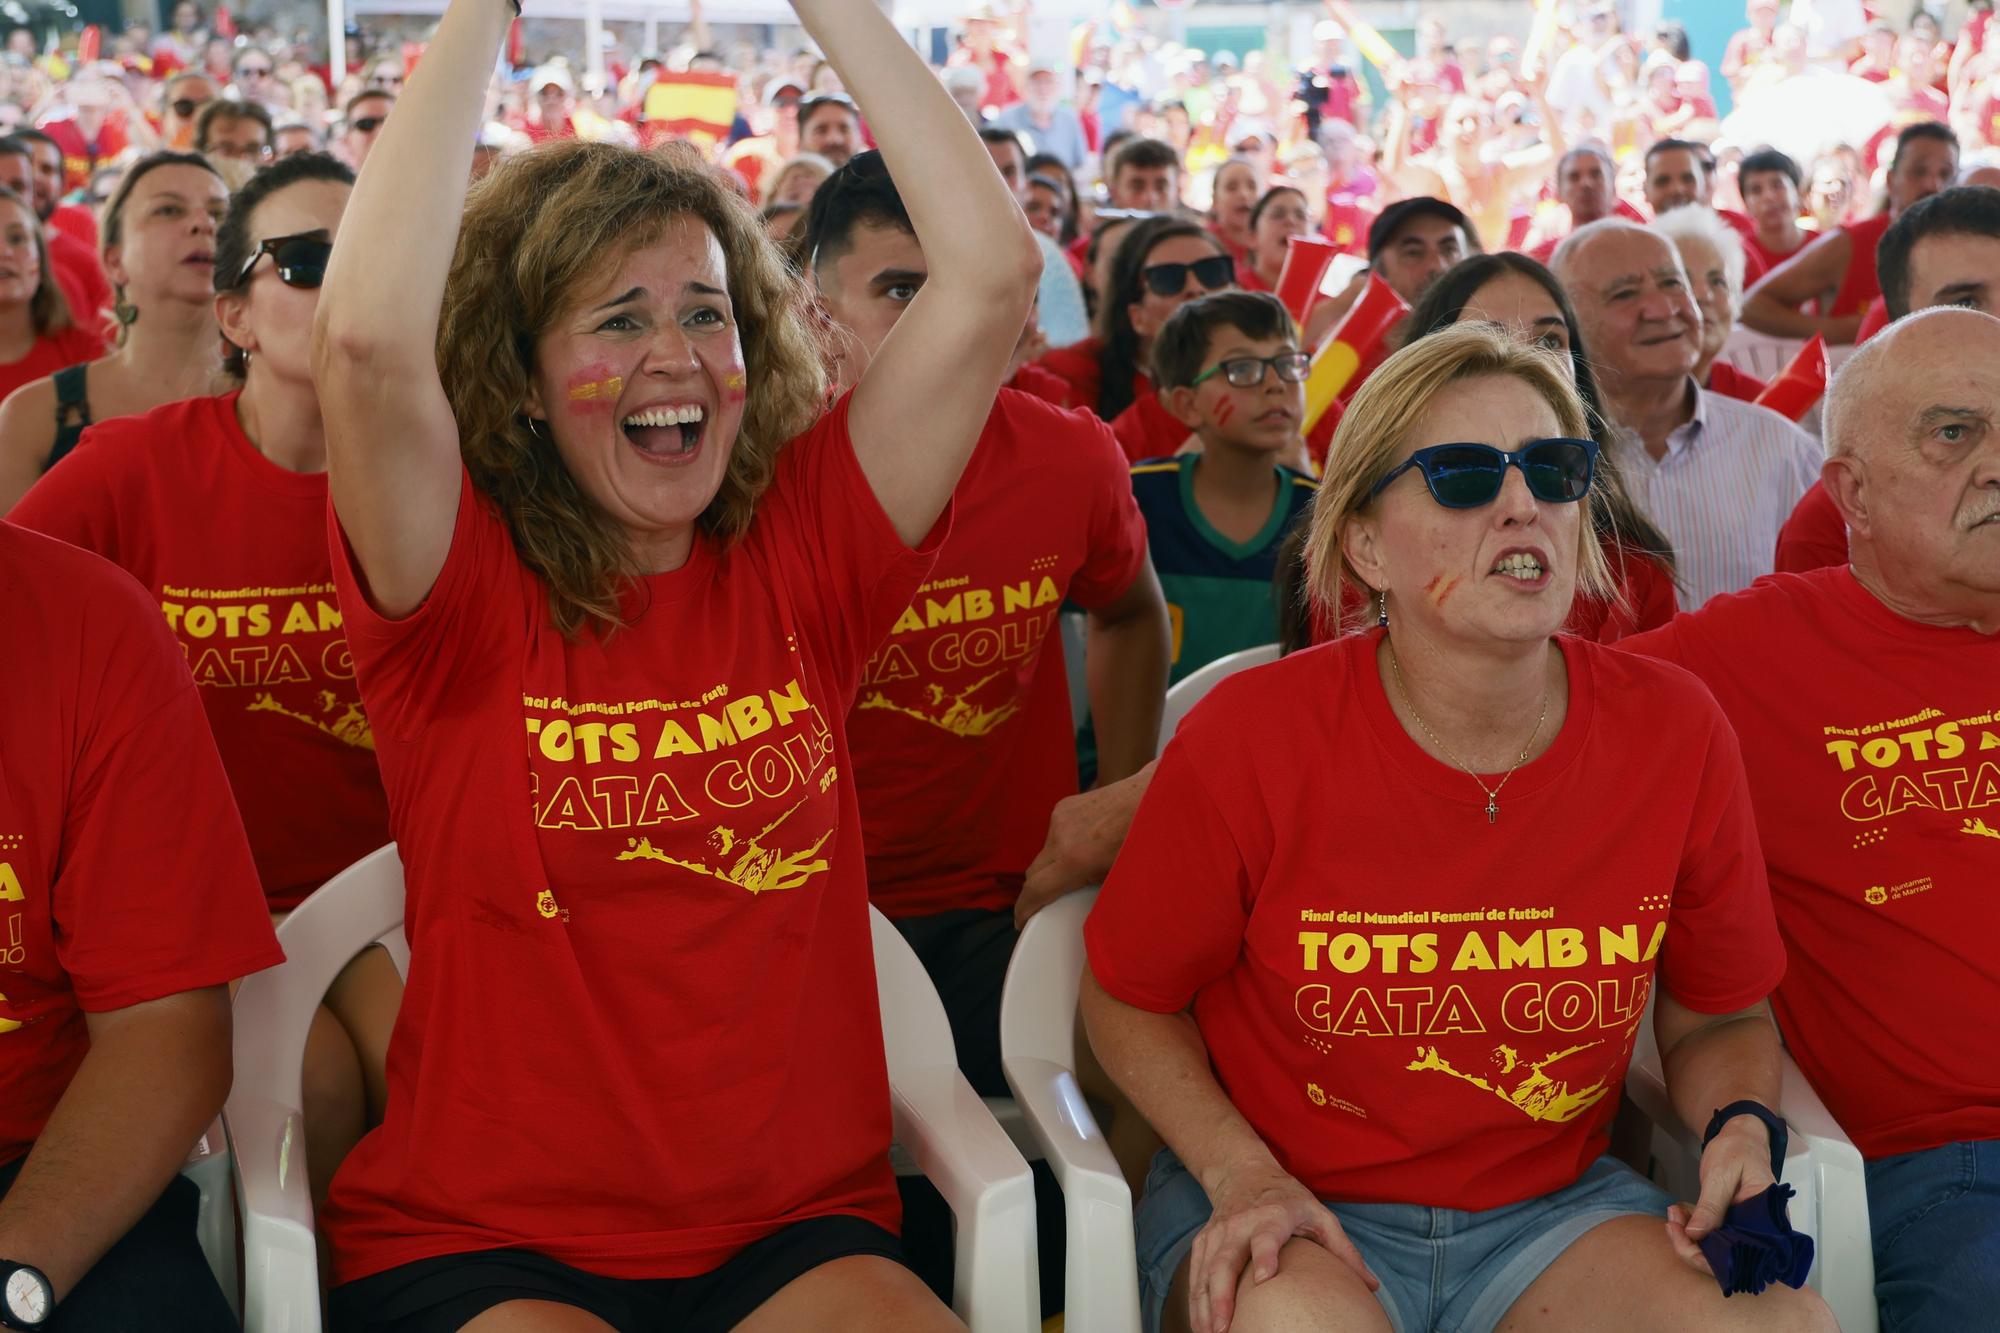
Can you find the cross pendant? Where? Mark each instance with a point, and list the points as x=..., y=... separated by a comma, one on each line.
x=1492, y=810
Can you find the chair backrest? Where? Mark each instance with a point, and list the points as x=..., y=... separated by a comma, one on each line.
x=1038, y=1001
x=1188, y=692
x=360, y=906
x=916, y=1032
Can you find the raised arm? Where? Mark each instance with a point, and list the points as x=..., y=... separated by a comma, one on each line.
x=391, y=442
x=919, y=409
x=1772, y=306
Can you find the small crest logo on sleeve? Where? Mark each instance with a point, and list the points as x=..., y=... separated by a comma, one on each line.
x=1876, y=895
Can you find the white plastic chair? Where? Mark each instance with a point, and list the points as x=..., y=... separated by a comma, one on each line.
x=1821, y=1164
x=215, y=1216
x=360, y=906
x=945, y=1131
x=1038, y=1052
x=1188, y=691
x=939, y=1122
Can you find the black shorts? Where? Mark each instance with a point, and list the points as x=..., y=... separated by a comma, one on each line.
x=444, y=1294
x=966, y=953
x=154, y=1278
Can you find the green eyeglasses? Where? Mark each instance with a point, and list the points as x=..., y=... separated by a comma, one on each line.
x=1247, y=372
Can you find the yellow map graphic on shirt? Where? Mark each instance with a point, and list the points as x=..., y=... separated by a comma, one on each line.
x=1535, y=1095
x=348, y=725
x=1979, y=828
x=758, y=869
x=960, y=717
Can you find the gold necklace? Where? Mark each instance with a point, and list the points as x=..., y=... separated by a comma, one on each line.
x=1492, y=793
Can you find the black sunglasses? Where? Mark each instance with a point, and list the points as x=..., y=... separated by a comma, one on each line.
x=1214, y=273
x=300, y=260
x=1466, y=476
x=185, y=107
x=369, y=124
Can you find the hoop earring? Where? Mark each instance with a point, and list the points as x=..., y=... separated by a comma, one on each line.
x=537, y=429
x=1382, y=607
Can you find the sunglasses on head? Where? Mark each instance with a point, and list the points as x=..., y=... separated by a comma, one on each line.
x=1214, y=273
x=369, y=124
x=1247, y=372
x=300, y=260
x=1466, y=476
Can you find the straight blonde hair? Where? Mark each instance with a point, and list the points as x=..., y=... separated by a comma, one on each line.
x=1375, y=434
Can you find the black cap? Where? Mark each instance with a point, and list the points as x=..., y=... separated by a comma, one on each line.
x=1391, y=219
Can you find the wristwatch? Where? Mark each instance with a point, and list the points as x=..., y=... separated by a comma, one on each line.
x=1779, y=1135
x=26, y=1298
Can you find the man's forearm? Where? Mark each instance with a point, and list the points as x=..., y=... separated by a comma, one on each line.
x=1726, y=1060
x=156, y=1075
x=1126, y=666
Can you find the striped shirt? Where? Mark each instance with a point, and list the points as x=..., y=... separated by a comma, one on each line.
x=1729, y=480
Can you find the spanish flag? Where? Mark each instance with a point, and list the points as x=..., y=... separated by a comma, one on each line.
x=696, y=107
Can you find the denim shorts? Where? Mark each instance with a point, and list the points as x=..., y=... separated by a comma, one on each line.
x=1935, y=1215
x=1441, y=1269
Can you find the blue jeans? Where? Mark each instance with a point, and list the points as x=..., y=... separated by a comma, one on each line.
x=1935, y=1216
x=1443, y=1270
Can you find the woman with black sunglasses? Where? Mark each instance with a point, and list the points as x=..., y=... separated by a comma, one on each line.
x=1374, y=969
x=158, y=247
x=1161, y=264
x=218, y=506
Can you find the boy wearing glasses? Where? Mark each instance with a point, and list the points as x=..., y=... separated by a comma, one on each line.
x=1229, y=369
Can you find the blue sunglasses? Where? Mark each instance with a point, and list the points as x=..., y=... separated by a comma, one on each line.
x=1466, y=476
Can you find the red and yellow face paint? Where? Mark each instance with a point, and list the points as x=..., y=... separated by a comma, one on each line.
x=595, y=388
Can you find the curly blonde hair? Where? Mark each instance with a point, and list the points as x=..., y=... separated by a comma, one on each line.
x=538, y=230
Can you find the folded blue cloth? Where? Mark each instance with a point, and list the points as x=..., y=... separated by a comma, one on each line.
x=1756, y=1246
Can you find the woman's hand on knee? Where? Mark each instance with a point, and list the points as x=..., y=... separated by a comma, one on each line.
x=1254, y=1213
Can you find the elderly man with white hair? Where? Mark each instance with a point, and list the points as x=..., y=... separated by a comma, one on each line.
x=1874, y=769
x=1719, y=476
x=1713, y=256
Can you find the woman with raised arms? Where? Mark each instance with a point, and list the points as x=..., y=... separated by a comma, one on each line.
x=611, y=567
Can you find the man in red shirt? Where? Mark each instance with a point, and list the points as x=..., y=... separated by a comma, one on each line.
x=961, y=739
x=1943, y=251
x=1770, y=183
x=131, y=904
x=1838, y=269
x=1875, y=780
x=1586, y=184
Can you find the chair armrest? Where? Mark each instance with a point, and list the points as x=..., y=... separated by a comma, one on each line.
x=946, y=1129
x=1100, y=1267
x=281, y=1257
x=1827, y=1170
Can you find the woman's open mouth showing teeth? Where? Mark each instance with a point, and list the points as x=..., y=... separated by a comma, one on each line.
x=1519, y=566
x=666, y=431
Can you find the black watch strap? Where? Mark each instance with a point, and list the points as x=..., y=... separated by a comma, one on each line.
x=1779, y=1134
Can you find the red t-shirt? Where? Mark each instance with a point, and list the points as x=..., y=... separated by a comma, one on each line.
x=1815, y=536
x=1145, y=429
x=1078, y=364
x=962, y=739
x=1873, y=320
x=1408, y=1003
x=1730, y=382
x=123, y=872
x=82, y=156
x=251, y=601
x=1761, y=259
x=1873, y=772
x=79, y=224
x=641, y=981
x=1043, y=384
x=84, y=285
x=1646, y=600
x=1860, y=284
x=51, y=352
